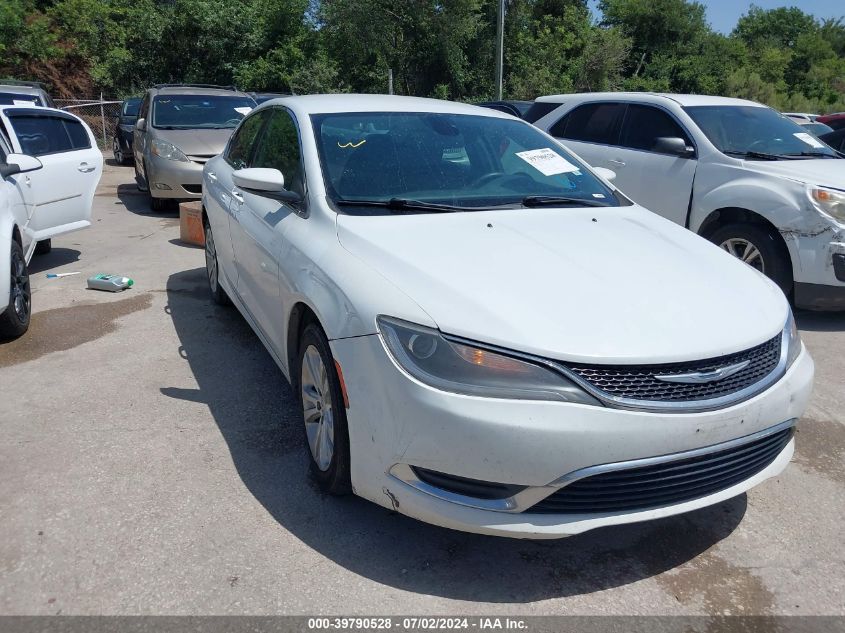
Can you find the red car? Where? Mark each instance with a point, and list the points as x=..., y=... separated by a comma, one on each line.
x=836, y=121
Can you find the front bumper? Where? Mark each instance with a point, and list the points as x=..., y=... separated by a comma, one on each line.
x=177, y=180
x=394, y=420
x=817, y=268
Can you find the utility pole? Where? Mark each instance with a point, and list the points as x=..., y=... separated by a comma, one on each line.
x=500, y=48
x=390, y=81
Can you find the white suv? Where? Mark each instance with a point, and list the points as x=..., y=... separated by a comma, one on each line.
x=49, y=168
x=736, y=172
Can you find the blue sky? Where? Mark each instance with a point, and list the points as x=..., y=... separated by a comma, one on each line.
x=723, y=14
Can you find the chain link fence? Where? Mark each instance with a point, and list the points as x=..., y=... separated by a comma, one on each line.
x=100, y=115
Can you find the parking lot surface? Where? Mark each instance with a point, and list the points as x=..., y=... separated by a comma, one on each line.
x=152, y=462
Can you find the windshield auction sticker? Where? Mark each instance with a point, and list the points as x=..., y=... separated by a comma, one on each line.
x=547, y=162
x=808, y=139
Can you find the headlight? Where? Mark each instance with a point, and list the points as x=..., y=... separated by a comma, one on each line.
x=450, y=366
x=792, y=340
x=167, y=150
x=829, y=201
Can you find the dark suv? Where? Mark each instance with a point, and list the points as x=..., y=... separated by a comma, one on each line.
x=124, y=129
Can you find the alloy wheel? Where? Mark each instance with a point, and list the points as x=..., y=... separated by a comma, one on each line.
x=746, y=251
x=20, y=291
x=118, y=153
x=317, y=408
x=210, y=259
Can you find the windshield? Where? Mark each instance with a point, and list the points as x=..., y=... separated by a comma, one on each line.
x=464, y=161
x=739, y=130
x=14, y=98
x=184, y=112
x=130, y=107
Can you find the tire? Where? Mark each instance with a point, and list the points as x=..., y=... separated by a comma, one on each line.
x=117, y=150
x=324, y=414
x=759, y=247
x=43, y=247
x=160, y=204
x=212, y=269
x=14, y=320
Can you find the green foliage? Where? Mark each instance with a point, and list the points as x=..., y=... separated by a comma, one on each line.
x=443, y=48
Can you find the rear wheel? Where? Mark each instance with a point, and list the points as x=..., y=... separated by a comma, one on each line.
x=323, y=412
x=212, y=268
x=14, y=320
x=760, y=248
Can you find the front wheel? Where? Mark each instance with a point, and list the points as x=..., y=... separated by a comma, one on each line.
x=760, y=248
x=323, y=412
x=212, y=268
x=14, y=320
x=117, y=150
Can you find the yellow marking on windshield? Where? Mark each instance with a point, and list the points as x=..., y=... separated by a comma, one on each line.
x=351, y=144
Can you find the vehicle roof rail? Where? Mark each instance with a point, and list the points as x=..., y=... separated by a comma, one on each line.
x=216, y=87
x=18, y=82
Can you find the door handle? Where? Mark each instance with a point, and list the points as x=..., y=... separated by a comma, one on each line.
x=212, y=176
x=85, y=168
x=620, y=163
x=237, y=196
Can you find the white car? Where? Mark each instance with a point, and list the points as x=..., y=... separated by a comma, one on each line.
x=486, y=335
x=734, y=171
x=50, y=166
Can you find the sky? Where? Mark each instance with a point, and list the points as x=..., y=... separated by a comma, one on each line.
x=723, y=14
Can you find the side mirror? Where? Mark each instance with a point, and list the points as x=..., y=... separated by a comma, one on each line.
x=604, y=172
x=19, y=164
x=141, y=125
x=262, y=181
x=674, y=145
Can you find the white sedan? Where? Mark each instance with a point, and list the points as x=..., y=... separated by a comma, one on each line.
x=49, y=169
x=483, y=333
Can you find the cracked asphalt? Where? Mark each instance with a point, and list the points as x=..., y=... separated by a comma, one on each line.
x=152, y=463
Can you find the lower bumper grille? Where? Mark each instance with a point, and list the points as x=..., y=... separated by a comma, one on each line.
x=667, y=483
x=466, y=487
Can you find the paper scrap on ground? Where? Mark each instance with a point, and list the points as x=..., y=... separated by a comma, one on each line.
x=808, y=139
x=547, y=162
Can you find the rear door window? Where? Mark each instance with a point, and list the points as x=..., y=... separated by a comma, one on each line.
x=42, y=134
x=645, y=124
x=591, y=123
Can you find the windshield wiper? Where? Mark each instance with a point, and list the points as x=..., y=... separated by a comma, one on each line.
x=760, y=155
x=814, y=154
x=542, y=201
x=404, y=204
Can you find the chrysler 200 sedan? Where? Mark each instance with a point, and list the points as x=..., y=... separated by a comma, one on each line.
x=482, y=332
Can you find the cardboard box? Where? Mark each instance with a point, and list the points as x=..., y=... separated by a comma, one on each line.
x=190, y=224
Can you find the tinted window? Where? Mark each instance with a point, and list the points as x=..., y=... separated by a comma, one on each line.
x=144, y=110
x=279, y=149
x=466, y=161
x=645, y=124
x=199, y=111
x=538, y=110
x=835, y=139
x=242, y=143
x=591, y=123
x=41, y=134
x=738, y=129
x=130, y=107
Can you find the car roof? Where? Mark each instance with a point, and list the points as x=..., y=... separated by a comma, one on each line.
x=196, y=90
x=653, y=97
x=337, y=103
x=22, y=90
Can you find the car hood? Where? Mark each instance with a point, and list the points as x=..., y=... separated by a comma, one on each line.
x=823, y=172
x=197, y=142
x=616, y=284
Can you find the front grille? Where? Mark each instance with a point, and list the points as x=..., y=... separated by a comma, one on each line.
x=638, y=382
x=466, y=487
x=667, y=483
